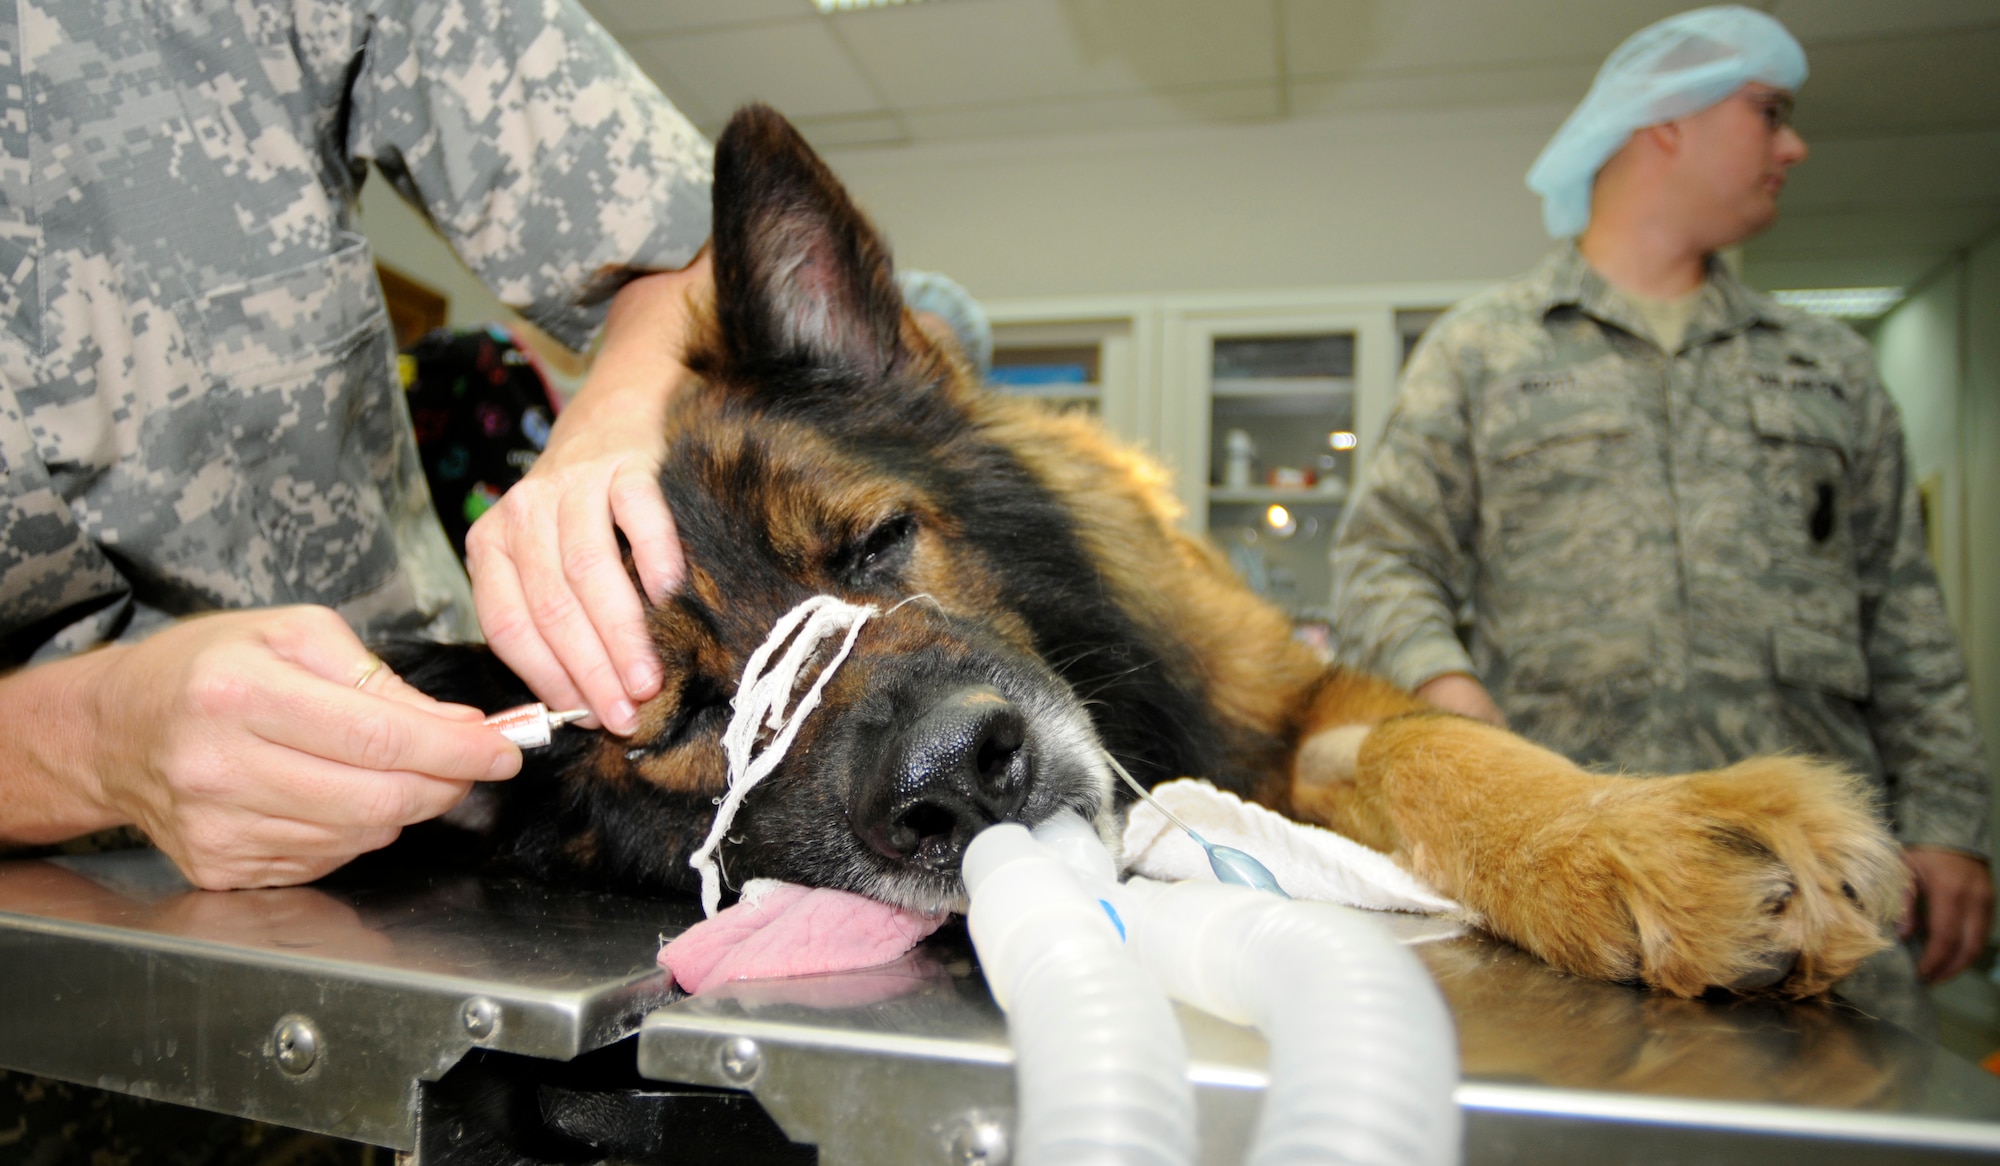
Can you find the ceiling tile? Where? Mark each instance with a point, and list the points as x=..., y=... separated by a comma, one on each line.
x=1839, y=270
x=1903, y=83
x=968, y=51
x=1343, y=37
x=1938, y=230
x=1456, y=89
x=685, y=97
x=1899, y=171
x=1814, y=19
x=871, y=129
x=798, y=67
x=1087, y=115
x=639, y=17
x=1902, y=112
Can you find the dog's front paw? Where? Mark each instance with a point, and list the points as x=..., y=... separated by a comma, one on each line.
x=1772, y=875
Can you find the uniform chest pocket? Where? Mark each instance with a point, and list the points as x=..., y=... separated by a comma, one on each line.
x=302, y=398
x=1542, y=457
x=1782, y=417
x=1803, y=446
x=1525, y=427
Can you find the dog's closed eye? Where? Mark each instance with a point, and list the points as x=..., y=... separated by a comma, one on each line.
x=880, y=553
x=703, y=708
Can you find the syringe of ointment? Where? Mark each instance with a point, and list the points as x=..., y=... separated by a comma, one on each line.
x=532, y=726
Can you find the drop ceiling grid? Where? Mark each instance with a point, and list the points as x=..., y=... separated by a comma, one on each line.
x=1901, y=112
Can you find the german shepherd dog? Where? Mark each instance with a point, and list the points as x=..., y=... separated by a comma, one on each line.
x=831, y=447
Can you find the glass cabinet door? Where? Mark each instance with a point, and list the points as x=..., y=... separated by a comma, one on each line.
x=1092, y=355
x=1063, y=365
x=1281, y=458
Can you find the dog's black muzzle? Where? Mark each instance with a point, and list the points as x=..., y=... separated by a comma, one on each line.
x=962, y=764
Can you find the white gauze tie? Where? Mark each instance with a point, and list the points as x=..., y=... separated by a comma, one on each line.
x=760, y=704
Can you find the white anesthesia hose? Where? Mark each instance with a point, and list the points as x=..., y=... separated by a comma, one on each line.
x=1100, y=1071
x=1363, y=1057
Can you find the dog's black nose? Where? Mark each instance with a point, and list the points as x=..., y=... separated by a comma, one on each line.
x=960, y=766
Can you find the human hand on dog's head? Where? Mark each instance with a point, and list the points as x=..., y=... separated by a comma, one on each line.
x=549, y=582
x=255, y=748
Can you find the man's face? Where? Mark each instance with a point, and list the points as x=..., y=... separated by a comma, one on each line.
x=1735, y=155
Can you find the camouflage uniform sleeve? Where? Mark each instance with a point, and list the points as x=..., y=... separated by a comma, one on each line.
x=1402, y=562
x=540, y=151
x=1920, y=705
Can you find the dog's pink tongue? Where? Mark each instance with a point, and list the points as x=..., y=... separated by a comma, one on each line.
x=783, y=929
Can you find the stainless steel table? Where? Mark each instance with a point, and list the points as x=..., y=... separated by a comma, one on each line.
x=425, y=1014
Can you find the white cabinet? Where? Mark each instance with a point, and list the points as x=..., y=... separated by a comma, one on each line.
x=1096, y=354
x=1269, y=406
x=1265, y=405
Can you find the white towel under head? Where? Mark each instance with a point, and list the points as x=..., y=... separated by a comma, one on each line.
x=1309, y=862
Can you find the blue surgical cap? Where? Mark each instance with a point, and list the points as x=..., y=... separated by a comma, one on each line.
x=1682, y=65
x=927, y=291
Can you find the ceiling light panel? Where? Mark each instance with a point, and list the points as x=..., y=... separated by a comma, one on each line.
x=858, y=5
x=1845, y=303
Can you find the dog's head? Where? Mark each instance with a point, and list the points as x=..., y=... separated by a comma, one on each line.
x=831, y=447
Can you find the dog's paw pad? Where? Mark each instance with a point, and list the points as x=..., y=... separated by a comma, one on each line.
x=1772, y=875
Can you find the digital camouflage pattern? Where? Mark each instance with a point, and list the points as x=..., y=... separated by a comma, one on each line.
x=199, y=407
x=198, y=403
x=1669, y=562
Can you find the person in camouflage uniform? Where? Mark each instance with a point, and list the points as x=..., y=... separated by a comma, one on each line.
x=199, y=412
x=1677, y=514
x=199, y=408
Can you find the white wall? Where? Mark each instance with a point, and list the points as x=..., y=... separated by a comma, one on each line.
x=404, y=239
x=1357, y=200
x=1918, y=348
x=1982, y=484
x=1372, y=199
x=1940, y=358
x=1309, y=202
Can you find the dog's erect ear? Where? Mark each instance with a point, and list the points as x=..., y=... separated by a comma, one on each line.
x=802, y=280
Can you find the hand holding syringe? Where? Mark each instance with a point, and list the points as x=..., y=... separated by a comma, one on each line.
x=532, y=726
